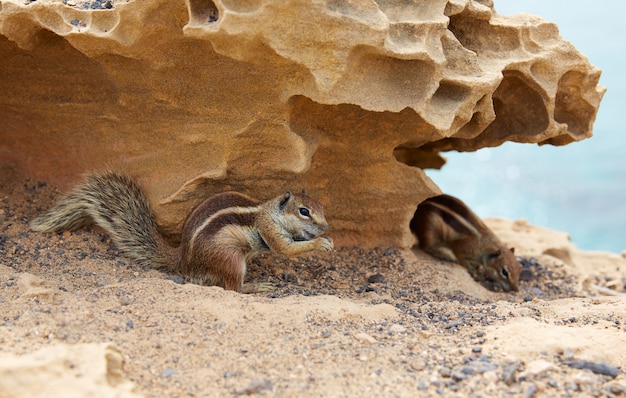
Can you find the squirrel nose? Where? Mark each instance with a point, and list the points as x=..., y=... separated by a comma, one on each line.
x=507, y=287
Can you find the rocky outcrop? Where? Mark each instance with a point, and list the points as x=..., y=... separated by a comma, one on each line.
x=349, y=99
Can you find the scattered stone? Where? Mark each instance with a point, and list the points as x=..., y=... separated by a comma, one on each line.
x=168, y=372
x=585, y=378
x=376, y=278
x=477, y=367
x=617, y=388
x=396, y=328
x=537, y=367
x=508, y=373
x=418, y=365
x=458, y=375
x=390, y=251
x=530, y=391
x=445, y=372
x=256, y=387
x=454, y=324
x=568, y=354
x=365, y=338
x=596, y=367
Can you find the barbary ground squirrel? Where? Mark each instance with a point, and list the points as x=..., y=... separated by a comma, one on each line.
x=218, y=237
x=447, y=229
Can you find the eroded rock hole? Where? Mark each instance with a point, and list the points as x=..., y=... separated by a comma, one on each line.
x=449, y=91
x=515, y=94
x=203, y=11
x=450, y=96
x=422, y=158
x=571, y=107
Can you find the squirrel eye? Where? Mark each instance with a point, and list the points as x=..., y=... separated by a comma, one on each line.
x=505, y=273
x=305, y=212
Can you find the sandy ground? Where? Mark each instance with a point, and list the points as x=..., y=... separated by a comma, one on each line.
x=77, y=319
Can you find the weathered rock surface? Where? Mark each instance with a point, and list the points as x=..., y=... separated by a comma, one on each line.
x=79, y=370
x=350, y=99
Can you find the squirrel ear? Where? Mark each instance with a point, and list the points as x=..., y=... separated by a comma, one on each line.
x=285, y=199
x=513, y=250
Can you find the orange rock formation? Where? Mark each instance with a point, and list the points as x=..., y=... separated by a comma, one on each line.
x=348, y=99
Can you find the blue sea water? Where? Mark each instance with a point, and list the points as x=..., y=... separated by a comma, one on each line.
x=579, y=188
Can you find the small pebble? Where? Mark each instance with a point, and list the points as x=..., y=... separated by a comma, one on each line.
x=395, y=328
x=568, y=354
x=596, y=367
x=390, y=251
x=418, y=365
x=376, y=278
x=445, y=371
x=616, y=388
x=508, y=373
x=168, y=372
x=585, y=378
x=538, y=367
x=479, y=367
x=256, y=387
x=530, y=391
x=458, y=375
x=365, y=338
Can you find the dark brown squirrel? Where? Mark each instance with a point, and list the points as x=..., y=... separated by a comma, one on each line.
x=218, y=237
x=447, y=229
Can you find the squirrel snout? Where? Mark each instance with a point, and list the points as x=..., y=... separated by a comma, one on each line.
x=310, y=233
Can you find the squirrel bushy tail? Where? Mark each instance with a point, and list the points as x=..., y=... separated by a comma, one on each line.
x=115, y=203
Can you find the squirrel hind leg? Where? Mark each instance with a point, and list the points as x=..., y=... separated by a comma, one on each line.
x=233, y=271
x=441, y=252
x=226, y=269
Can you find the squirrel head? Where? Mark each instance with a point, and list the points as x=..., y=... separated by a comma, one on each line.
x=502, y=268
x=302, y=217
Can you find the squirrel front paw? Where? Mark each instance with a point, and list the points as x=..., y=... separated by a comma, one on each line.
x=325, y=244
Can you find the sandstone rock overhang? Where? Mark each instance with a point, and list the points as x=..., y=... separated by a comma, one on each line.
x=351, y=99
